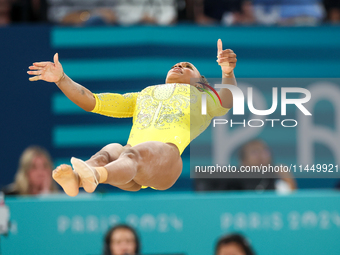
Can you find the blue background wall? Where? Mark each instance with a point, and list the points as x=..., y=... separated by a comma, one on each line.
x=120, y=60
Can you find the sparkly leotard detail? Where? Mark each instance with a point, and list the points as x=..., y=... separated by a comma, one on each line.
x=169, y=113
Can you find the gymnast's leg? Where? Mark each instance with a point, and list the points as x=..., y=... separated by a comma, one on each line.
x=105, y=156
x=69, y=179
x=157, y=164
x=153, y=164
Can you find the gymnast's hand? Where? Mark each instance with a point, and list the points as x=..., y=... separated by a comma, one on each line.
x=47, y=71
x=225, y=58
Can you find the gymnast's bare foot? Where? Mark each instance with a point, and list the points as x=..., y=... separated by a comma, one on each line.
x=88, y=175
x=67, y=179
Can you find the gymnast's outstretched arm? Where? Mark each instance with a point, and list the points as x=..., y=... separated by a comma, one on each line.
x=53, y=72
x=227, y=60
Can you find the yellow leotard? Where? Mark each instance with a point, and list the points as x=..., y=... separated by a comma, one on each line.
x=169, y=113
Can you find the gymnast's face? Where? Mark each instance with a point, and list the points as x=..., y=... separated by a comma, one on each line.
x=122, y=242
x=182, y=73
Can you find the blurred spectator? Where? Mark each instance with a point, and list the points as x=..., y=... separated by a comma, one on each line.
x=247, y=13
x=159, y=12
x=5, y=12
x=266, y=12
x=301, y=12
x=333, y=10
x=82, y=12
x=233, y=244
x=121, y=240
x=166, y=12
x=219, y=9
x=253, y=153
x=29, y=11
x=225, y=12
x=106, y=12
x=186, y=10
x=197, y=9
x=34, y=175
x=257, y=153
x=288, y=12
x=193, y=11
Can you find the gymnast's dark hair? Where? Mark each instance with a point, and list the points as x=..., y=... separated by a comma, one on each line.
x=203, y=81
x=107, y=239
x=235, y=238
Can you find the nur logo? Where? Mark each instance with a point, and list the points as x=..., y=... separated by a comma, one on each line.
x=204, y=97
x=238, y=100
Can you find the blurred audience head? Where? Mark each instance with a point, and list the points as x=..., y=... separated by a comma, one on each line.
x=233, y=244
x=34, y=175
x=333, y=10
x=5, y=9
x=121, y=240
x=255, y=153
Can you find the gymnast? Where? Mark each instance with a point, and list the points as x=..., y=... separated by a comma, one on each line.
x=165, y=120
